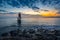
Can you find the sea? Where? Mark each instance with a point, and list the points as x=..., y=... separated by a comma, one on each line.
x=8, y=22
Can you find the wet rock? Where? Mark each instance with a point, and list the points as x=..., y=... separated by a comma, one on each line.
x=5, y=34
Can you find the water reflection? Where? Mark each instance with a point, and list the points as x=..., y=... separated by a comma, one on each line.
x=41, y=21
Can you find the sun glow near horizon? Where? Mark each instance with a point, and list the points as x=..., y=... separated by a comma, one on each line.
x=50, y=13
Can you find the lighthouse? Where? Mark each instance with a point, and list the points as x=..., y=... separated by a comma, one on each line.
x=19, y=19
x=19, y=15
x=19, y=22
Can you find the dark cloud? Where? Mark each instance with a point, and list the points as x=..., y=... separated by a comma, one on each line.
x=35, y=8
x=58, y=12
x=3, y=11
x=30, y=3
x=44, y=10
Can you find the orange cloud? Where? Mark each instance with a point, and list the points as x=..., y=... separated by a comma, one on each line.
x=50, y=13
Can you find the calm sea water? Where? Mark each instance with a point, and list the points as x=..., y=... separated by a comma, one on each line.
x=11, y=19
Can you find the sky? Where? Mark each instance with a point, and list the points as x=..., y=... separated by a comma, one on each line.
x=33, y=7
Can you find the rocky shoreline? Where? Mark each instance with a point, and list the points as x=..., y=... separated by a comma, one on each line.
x=31, y=34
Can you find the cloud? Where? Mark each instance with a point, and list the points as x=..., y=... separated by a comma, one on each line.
x=58, y=12
x=44, y=10
x=33, y=4
x=3, y=11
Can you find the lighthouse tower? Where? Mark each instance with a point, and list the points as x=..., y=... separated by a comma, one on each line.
x=19, y=15
x=19, y=19
x=19, y=22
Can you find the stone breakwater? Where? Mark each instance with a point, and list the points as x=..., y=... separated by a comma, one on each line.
x=31, y=34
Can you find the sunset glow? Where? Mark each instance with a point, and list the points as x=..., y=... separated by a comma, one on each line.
x=50, y=13
x=29, y=11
